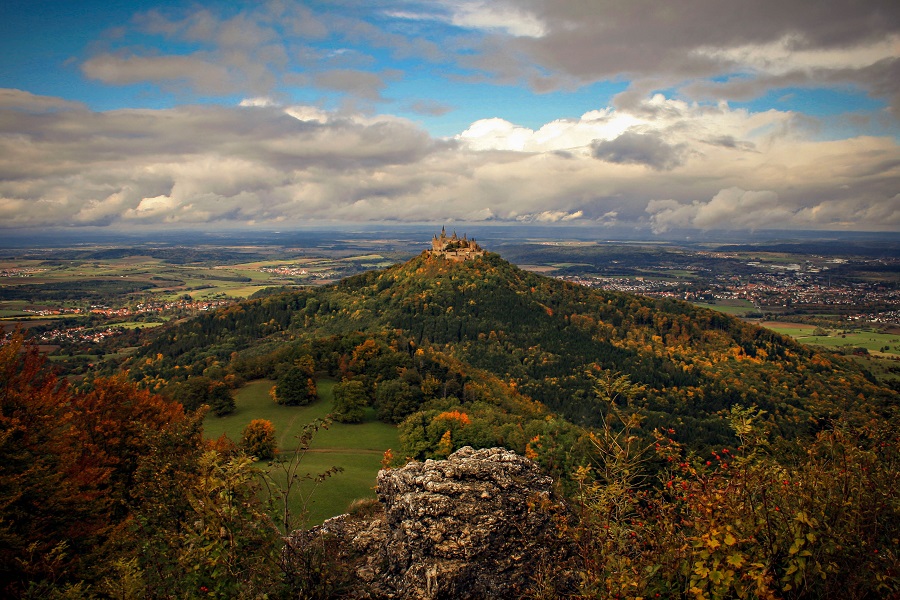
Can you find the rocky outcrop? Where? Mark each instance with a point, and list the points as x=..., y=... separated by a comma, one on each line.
x=477, y=525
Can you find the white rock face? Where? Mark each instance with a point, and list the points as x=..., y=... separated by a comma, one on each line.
x=476, y=525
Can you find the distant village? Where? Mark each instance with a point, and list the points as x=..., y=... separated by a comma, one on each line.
x=767, y=291
x=138, y=309
x=96, y=335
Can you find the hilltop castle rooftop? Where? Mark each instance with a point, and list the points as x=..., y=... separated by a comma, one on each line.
x=454, y=247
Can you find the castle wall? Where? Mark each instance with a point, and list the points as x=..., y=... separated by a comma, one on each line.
x=463, y=249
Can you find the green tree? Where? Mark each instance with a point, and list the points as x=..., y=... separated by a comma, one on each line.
x=195, y=392
x=296, y=386
x=395, y=399
x=230, y=549
x=258, y=439
x=350, y=401
x=220, y=399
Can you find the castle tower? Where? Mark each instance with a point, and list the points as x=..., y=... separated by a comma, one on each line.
x=455, y=248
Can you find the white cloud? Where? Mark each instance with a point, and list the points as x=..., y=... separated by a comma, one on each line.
x=550, y=216
x=793, y=52
x=308, y=113
x=731, y=208
x=652, y=125
x=495, y=15
x=287, y=165
x=259, y=101
x=152, y=207
x=496, y=134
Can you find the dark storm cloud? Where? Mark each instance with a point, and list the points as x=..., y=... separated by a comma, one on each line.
x=647, y=149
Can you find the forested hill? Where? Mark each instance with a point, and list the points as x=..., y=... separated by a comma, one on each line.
x=521, y=336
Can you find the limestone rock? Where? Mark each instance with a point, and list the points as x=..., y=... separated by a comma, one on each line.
x=477, y=525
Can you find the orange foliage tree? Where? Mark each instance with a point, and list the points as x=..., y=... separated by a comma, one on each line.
x=67, y=464
x=258, y=439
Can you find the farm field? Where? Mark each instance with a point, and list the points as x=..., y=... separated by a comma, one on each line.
x=357, y=448
x=117, y=280
x=737, y=308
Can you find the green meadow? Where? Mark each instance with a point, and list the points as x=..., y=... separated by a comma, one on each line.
x=357, y=448
x=871, y=340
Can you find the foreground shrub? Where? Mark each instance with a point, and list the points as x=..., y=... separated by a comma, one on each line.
x=819, y=521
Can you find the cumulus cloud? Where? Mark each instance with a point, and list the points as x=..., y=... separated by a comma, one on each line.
x=267, y=164
x=656, y=132
x=731, y=208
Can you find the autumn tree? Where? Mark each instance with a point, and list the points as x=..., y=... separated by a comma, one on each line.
x=67, y=467
x=44, y=508
x=115, y=422
x=258, y=439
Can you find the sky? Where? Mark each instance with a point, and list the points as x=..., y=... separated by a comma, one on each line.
x=707, y=115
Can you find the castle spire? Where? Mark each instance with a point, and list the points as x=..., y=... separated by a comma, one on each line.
x=455, y=248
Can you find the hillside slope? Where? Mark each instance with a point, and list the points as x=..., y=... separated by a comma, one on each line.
x=534, y=338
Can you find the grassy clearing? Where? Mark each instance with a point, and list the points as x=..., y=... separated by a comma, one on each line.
x=242, y=291
x=871, y=340
x=333, y=496
x=884, y=367
x=792, y=329
x=357, y=448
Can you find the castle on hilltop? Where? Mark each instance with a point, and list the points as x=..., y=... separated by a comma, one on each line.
x=453, y=247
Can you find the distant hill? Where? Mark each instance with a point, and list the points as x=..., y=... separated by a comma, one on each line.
x=485, y=338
